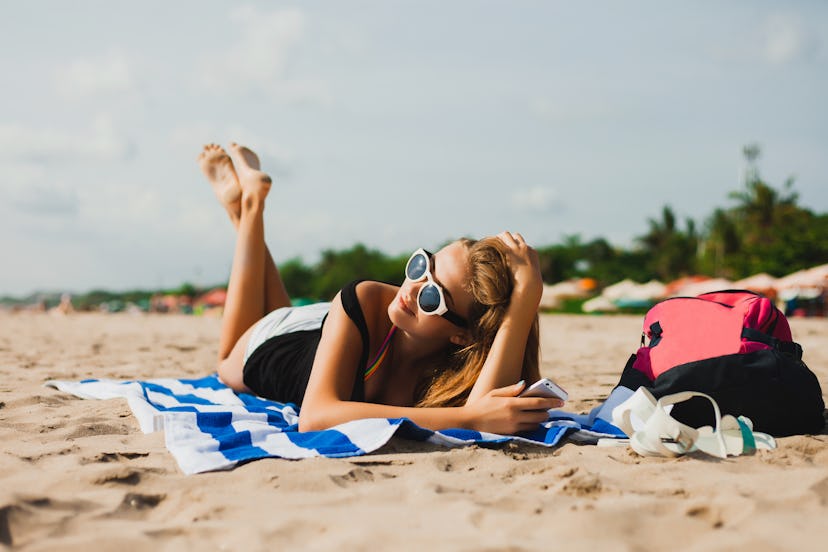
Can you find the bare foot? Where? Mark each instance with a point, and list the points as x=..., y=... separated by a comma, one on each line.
x=251, y=158
x=253, y=182
x=218, y=168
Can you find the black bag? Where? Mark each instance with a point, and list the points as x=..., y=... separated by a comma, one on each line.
x=763, y=377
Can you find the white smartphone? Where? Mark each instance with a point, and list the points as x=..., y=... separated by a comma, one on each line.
x=545, y=388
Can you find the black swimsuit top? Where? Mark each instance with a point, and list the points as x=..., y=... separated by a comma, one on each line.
x=353, y=309
x=279, y=369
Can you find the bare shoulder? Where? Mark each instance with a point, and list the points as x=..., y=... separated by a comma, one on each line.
x=370, y=292
x=374, y=298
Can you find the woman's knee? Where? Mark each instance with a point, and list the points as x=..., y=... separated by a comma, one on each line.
x=231, y=365
x=231, y=373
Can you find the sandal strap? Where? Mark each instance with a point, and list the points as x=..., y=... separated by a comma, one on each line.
x=640, y=406
x=647, y=422
x=658, y=424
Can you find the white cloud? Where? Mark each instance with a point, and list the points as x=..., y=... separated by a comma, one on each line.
x=29, y=156
x=262, y=59
x=537, y=199
x=106, y=75
x=778, y=40
x=786, y=39
x=27, y=144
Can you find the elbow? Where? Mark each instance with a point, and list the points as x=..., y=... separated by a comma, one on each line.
x=317, y=412
x=312, y=419
x=306, y=423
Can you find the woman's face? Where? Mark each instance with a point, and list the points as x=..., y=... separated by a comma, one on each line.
x=450, y=271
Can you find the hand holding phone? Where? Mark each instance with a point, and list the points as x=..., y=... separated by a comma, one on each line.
x=545, y=387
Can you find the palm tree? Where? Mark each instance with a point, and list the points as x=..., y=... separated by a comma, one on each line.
x=775, y=233
x=760, y=207
x=672, y=251
x=723, y=242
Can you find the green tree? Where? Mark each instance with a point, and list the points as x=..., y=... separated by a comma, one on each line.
x=298, y=278
x=559, y=262
x=597, y=259
x=337, y=268
x=722, y=245
x=670, y=251
x=775, y=234
x=760, y=207
x=186, y=288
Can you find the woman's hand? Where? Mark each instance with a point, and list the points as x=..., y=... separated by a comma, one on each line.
x=502, y=411
x=525, y=266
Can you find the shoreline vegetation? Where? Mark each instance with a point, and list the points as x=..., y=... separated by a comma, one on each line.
x=762, y=230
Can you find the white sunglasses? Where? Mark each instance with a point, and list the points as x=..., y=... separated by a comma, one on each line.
x=431, y=299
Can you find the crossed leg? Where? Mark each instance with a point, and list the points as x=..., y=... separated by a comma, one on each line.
x=255, y=287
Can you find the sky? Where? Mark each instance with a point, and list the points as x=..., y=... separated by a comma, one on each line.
x=395, y=124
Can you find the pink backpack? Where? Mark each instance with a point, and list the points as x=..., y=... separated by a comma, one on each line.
x=688, y=329
x=735, y=346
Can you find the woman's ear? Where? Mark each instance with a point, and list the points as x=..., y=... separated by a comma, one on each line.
x=461, y=338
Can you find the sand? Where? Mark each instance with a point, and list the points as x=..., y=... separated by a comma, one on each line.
x=77, y=474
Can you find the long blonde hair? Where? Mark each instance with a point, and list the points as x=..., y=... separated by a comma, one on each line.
x=490, y=284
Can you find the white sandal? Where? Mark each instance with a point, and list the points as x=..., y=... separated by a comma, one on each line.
x=648, y=423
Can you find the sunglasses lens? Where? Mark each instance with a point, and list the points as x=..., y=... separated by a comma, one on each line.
x=416, y=267
x=429, y=298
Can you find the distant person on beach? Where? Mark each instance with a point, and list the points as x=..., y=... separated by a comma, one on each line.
x=445, y=349
x=64, y=307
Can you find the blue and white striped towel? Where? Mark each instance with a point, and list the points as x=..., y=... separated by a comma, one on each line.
x=209, y=427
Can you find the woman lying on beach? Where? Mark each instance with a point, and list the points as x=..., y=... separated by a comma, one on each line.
x=444, y=349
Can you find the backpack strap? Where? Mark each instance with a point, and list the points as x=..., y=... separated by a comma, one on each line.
x=788, y=347
x=655, y=333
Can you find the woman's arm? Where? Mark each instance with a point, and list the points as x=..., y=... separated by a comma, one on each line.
x=327, y=398
x=500, y=411
x=504, y=364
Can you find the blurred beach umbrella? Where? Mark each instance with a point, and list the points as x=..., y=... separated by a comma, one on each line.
x=553, y=295
x=213, y=298
x=619, y=289
x=671, y=288
x=810, y=277
x=762, y=283
x=599, y=304
x=626, y=294
x=806, y=284
x=652, y=290
x=691, y=289
x=628, y=290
